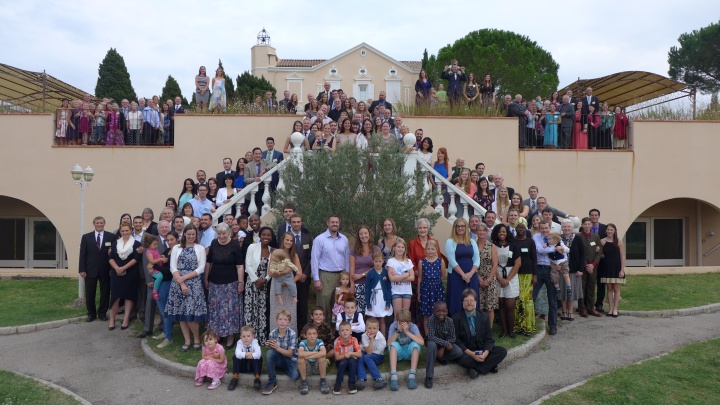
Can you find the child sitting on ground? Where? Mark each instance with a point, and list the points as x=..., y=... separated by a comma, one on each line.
x=282, y=351
x=278, y=263
x=440, y=341
x=559, y=263
x=347, y=353
x=373, y=353
x=248, y=357
x=213, y=363
x=311, y=359
x=354, y=318
x=405, y=342
x=325, y=331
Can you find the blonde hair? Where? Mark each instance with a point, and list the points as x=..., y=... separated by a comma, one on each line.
x=400, y=240
x=278, y=255
x=503, y=202
x=554, y=237
x=344, y=273
x=431, y=242
x=404, y=315
x=372, y=321
x=378, y=255
x=248, y=328
x=284, y=313
x=460, y=240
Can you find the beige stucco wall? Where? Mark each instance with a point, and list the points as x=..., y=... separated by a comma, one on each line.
x=670, y=160
x=347, y=66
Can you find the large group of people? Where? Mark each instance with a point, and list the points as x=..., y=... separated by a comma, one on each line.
x=566, y=122
x=389, y=294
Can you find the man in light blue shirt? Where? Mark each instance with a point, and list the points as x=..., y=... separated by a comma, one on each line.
x=330, y=257
x=206, y=233
x=542, y=274
x=202, y=205
x=151, y=123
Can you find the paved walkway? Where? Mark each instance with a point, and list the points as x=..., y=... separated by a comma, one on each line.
x=108, y=367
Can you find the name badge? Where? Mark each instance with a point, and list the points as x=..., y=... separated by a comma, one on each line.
x=524, y=250
x=306, y=246
x=592, y=243
x=510, y=254
x=108, y=244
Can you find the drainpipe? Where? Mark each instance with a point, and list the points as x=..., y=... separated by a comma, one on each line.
x=698, y=225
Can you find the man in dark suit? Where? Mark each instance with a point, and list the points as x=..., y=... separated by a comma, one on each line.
x=531, y=201
x=589, y=100
x=499, y=181
x=600, y=230
x=177, y=108
x=94, y=266
x=272, y=158
x=123, y=124
x=227, y=170
x=455, y=76
x=567, y=117
x=309, y=134
x=303, y=244
x=201, y=177
x=474, y=337
x=150, y=303
x=288, y=212
x=518, y=110
x=326, y=86
x=285, y=101
x=269, y=105
x=573, y=100
x=381, y=101
x=310, y=98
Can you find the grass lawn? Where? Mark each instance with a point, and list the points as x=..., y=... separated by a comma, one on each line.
x=686, y=376
x=32, y=301
x=191, y=357
x=658, y=292
x=15, y=389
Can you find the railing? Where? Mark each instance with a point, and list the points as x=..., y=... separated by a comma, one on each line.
x=598, y=138
x=251, y=189
x=464, y=200
x=712, y=250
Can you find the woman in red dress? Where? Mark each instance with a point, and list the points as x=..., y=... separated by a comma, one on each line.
x=579, y=138
x=620, y=128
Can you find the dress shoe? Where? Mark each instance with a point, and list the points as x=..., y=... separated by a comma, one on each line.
x=595, y=313
x=428, y=382
x=144, y=334
x=89, y=318
x=103, y=318
x=600, y=309
x=494, y=370
x=123, y=327
x=553, y=330
x=472, y=373
x=584, y=314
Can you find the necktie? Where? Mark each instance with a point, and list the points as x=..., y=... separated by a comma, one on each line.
x=177, y=107
x=545, y=239
x=471, y=322
x=99, y=241
x=287, y=228
x=257, y=168
x=248, y=349
x=297, y=243
x=594, y=229
x=165, y=244
x=532, y=205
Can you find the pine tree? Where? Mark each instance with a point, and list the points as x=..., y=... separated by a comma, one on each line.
x=172, y=90
x=425, y=60
x=113, y=78
x=249, y=86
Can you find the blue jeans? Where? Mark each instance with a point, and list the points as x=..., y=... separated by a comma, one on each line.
x=543, y=278
x=275, y=359
x=164, y=291
x=371, y=361
x=350, y=364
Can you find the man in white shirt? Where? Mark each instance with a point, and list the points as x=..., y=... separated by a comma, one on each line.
x=547, y=215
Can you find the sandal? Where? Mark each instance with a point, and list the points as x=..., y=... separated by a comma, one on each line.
x=184, y=348
x=196, y=346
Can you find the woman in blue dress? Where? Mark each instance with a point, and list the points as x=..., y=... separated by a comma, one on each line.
x=552, y=120
x=463, y=262
x=186, y=301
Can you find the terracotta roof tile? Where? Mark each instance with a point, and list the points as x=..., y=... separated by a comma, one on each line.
x=412, y=64
x=299, y=62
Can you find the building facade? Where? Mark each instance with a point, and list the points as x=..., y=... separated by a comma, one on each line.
x=362, y=72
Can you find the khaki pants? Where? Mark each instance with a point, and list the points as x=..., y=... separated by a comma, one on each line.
x=324, y=297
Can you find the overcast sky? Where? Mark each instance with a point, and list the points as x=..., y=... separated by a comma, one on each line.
x=588, y=39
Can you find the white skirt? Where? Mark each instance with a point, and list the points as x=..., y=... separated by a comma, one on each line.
x=377, y=299
x=512, y=290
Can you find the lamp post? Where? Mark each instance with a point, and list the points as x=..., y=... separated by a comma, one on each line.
x=83, y=179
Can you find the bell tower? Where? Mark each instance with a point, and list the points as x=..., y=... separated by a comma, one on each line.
x=263, y=55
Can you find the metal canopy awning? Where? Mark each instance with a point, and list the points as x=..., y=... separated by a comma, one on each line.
x=34, y=91
x=632, y=89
